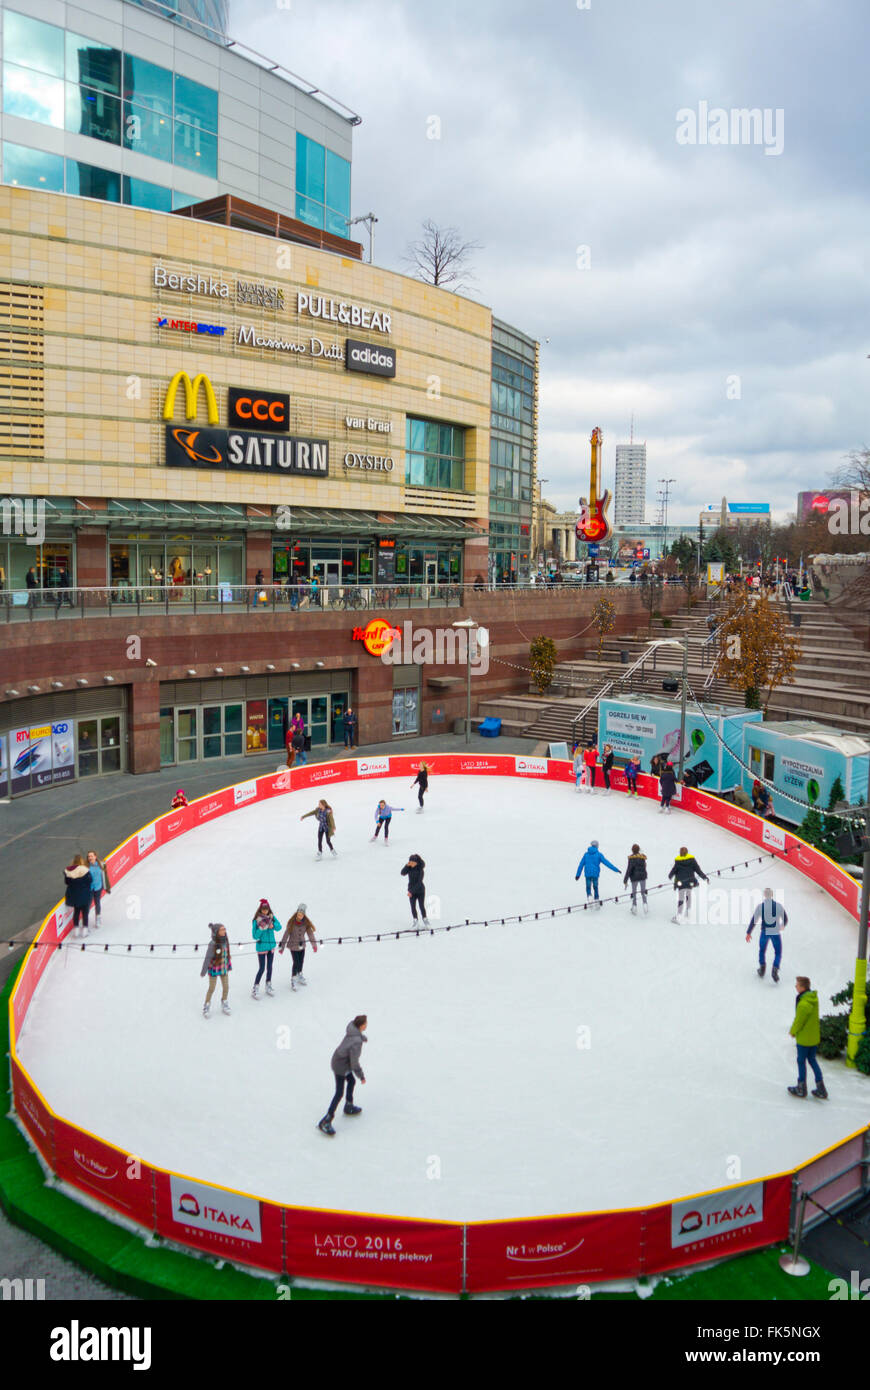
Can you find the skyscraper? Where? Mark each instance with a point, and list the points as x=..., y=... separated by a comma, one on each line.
x=630, y=490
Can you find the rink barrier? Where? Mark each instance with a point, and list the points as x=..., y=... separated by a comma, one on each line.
x=383, y=1251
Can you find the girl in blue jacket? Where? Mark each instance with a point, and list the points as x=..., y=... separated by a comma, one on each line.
x=263, y=929
x=383, y=816
x=590, y=867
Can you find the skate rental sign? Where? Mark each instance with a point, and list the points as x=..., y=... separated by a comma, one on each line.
x=400, y=1252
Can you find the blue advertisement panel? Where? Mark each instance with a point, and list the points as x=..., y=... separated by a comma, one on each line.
x=652, y=730
x=41, y=756
x=803, y=769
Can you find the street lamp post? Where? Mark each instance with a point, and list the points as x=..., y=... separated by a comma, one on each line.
x=468, y=626
x=684, y=644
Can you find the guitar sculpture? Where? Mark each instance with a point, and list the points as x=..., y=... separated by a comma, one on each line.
x=594, y=524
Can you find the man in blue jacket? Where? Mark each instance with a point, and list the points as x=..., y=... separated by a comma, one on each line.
x=773, y=917
x=590, y=867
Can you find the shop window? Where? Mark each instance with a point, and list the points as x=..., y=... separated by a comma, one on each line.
x=88, y=747
x=167, y=737
x=87, y=181
x=406, y=711
x=94, y=64
x=110, y=744
x=233, y=730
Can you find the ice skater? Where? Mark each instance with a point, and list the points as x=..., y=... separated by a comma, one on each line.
x=772, y=917
x=99, y=883
x=685, y=873
x=413, y=872
x=805, y=1031
x=607, y=767
x=580, y=779
x=217, y=965
x=590, y=867
x=298, y=928
x=347, y=1069
x=421, y=781
x=383, y=816
x=590, y=758
x=263, y=928
x=636, y=875
x=632, y=769
x=77, y=878
x=667, y=787
x=325, y=826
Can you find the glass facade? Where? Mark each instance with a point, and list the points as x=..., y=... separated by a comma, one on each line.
x=322, y=187
x=337, y=562
x=29, y=168
x=46, y=564
x=512, y=451
x=32, y=168
x=89, y=88
x=148, y=561
x=435, y=455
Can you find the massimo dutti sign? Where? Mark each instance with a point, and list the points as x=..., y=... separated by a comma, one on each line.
x=241, y=450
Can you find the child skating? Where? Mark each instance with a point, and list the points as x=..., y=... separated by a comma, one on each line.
x=217, y=965
x=298, y=929
x=632, y=769
x=590, y=868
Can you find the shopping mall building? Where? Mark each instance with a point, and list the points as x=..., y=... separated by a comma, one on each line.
x=220, y=428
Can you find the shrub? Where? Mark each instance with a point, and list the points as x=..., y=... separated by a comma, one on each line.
x=862, y=1057
x=542, y=654
x=834, y=1029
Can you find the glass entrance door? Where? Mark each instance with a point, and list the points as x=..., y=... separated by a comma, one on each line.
x=187, y=726
x=431, y=571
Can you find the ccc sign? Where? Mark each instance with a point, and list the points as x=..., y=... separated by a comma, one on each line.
x=263, y=410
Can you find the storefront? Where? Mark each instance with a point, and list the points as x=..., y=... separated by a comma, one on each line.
x=143, y=559
x=62, y=738
x=431, y=559
x=203, y=720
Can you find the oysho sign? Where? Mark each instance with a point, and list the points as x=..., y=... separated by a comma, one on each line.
x=215, y=1210
x=370, y=463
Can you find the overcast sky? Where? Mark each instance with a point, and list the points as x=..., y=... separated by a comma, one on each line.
x=725, y=301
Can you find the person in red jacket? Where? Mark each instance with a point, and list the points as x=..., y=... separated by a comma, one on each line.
x=590, y=758
x=178, y=800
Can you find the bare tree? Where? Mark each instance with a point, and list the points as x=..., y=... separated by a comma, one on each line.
x=440, y=257
x=855, y=473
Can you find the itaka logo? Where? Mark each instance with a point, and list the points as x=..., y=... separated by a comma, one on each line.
x=372, y=767
x=692, y=1221
x=245, y=791
x=147, y=838
x=96, y=1170
x=188, y=1205
x=535, y=766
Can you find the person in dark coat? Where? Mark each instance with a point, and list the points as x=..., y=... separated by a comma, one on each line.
x=421, y=781
x=632, y=768
x=351, y=721
x=413, y=872
x=685, y=873
x=607, y=766
x=77, y=877
x=217, y=965
x=667, y=787
x=298, y=744
x=347, y=1069
x=636, y=875
x=772, y=917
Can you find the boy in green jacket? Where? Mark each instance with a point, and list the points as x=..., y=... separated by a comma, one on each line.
x=805, y=1031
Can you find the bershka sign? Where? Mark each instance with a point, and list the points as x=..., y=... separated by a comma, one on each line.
x=244, y=452
x=213, y=287
x=215, y=1210
x=716, y=1215
x=366, y=357
x=337, y=311
x=372, y=767
x=534, y=767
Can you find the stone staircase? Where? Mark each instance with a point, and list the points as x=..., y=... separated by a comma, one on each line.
x=832, y=681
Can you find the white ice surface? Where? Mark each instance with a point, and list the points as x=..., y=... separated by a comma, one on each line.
x=479, y=1103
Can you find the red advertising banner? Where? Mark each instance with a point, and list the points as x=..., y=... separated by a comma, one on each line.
x=697, y=1229
x=120, y=1180
x=123, y=859
x=175, y=823
x=225, y=1223
x=210, y=807
x=317, y=775
x=374, y=1250
x=33, y=1113
x=554, y=1250
x=36, y=963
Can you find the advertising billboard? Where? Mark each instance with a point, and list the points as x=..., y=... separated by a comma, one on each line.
x=652, y=731
x=40, y=756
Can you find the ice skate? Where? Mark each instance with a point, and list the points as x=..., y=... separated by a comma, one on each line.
x=800, y=1091
x=820, y=1093
x=633, y=910
x=357, y=1109
x=761, y=971
x=372, y=840
x=225, y=1008
x=661, y=810
x=206, y=1010
x=269, y=989
x=775, y=975
x=645, y=908
x=667, y=810
x=425, y=921
x=255, y=992
x=293, y=983
x=319, y=854
x=676, y=918
x=325, y=1125
x=301, y=980
x=334, y=852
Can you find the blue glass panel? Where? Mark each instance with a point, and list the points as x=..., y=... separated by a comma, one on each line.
x=336, y=223
x=196, y=149
x=337, y=183
x=147, y=84
x=416, y=435
x=94, y=64
x=147, y=132
x=184, y=200
x=196, y=104
x=140, y=194
x=414, y=469
x=33, y=96
x=310, y=169
x=309, y=211
x=32, y=168
x=32, y=44
x=93, y=113
x=89, y=182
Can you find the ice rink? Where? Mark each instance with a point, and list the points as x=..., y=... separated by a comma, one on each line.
x=593, y=1061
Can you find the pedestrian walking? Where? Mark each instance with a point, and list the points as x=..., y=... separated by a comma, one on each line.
x=77, y=878
x=351, y=722
x=422, y=782
x=590, y=758
x=325, y=826
x=99, y=883
x=667, y=787
x=772, y=917
x=632, y=770
x=413, y=872
x=298, y=929
x=383, y=816
x=636, y=875
x=805, y=1031
x=347, y=1070
x=217, y=965
x=607, y=767
x=590, y=868
x=263, y=928
x=288, y=744
x=685, y=873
